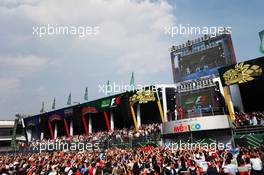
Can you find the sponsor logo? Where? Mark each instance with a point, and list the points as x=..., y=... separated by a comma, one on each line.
x=90, y=109
x=68, y=112
x=112, y=102
x=115, y=101
x=105, y=103
x=187, y=127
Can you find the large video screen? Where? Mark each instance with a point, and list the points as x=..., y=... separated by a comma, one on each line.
x=202, y=63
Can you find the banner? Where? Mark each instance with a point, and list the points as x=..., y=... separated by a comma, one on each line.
x=104, y=104
x=142, y=96
x=242, y=72
x=196, y=124
x=69, y=100
x=32, y=121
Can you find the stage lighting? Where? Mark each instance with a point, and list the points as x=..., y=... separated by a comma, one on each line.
x=211, y=81
x=189, y=85
x=199, y=84
x=203, y=83
x=217, y=88
x=208, y=82
x=171, y=49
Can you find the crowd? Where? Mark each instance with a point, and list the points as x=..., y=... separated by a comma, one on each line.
x=146, y=160
x=116, y=136
x=249, y=119
x=138, y=160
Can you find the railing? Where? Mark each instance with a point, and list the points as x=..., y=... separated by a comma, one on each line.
x=105, y=143
x=249, y=129
x=128, y=142
x=201, y=112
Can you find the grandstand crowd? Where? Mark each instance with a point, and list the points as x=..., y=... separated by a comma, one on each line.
x=243, y=119
x=146, y=160
x=139, y=160
x=118, y=135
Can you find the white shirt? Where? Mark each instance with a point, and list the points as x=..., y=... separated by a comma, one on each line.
x=262, y=121
x=255, y=121
x=230, y=168
x=256, y=164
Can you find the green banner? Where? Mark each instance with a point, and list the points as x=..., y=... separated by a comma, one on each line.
x=242, y=72
x=104, y=104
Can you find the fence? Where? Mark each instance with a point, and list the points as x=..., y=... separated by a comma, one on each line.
x=201, y=112
x=89, y=144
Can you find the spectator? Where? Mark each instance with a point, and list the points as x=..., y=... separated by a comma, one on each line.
x=256, y=163
x=229, y=168
x=212, y=169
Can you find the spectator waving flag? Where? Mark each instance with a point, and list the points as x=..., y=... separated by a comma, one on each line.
x=53, y=104
x=132, y=81
x=69, y=100
x=42, y=108
x=86, y=94
x=108, y=87
x=261, y=36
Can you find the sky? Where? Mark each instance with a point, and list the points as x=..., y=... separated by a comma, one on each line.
x=124, y=36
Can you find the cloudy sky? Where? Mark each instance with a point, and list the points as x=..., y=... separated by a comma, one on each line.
x=130, y=38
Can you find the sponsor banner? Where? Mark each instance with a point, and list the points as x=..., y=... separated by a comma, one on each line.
x=68, y=112
x=143, y=96
x=196, y=124
x=115, y=102
x=243, y=72
x=110, y=102
x=32, y=121
x=89, y=109
x=103, y=104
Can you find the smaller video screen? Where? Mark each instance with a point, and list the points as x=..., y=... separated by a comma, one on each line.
x=204, y=102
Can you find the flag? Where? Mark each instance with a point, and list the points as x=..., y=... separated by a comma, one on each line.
x=69, y=100
x=53, y=104
x=86, y=94
x=108, y=87
x=42, y=108
x=261, y=37
x=132, y=81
